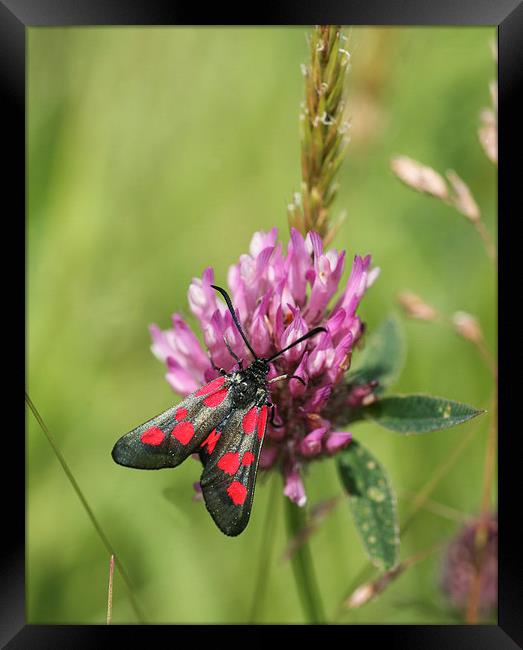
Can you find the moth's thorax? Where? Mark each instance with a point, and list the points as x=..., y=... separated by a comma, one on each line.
x=250, y=385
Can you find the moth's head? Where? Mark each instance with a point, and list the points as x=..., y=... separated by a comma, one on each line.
x=260, y=367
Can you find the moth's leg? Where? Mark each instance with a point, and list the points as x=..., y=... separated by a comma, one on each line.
x=233, y=354
x=296, y=377
x=272, y=421
x=220, y=370
x=282, y=377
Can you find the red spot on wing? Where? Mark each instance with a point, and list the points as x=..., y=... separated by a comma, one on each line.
x=153, y=436
x=183, y=432
x=237, y=493
x=216, y=398
x=249, y=420
x=212, y=386
x=181, y=414
x=211, y=441
x=248, y=458
x=229, y=463
x=262, y=421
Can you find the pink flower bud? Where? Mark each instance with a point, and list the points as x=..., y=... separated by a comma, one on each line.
x=294, y=489
x=311, y=443
x=338, y=440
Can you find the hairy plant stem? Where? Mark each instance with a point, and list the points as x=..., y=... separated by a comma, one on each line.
x=98, y=528
x=301, y=560
x=265, y=553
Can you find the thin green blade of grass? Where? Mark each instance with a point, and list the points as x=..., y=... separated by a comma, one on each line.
x=98, y=528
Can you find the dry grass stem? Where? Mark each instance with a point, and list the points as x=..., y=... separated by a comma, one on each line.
x=416, y=307
x=318, y=513
x=471, y=615
x=462, y=199
x=468, y=327
x=420, y=177
x=370, y=590
x=110, y=591
x=436, y=508
x=488, y=135
x=488, y=130
x=456, y=193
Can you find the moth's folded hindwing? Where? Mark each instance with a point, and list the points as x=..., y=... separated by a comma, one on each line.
x=230, y=459
x=169, y=438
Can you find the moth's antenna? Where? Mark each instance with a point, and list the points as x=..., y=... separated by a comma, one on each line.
x=235, y=318
x=313, y=332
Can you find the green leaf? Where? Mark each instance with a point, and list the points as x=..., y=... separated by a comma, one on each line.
x=418, y=413
x=383, y=356
x=372, y=502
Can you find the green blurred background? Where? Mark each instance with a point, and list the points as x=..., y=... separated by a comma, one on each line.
x=155, y=152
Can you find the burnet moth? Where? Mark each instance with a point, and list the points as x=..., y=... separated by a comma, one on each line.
x=224, y=422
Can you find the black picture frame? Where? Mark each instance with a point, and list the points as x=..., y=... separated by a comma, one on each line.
x=15, y=17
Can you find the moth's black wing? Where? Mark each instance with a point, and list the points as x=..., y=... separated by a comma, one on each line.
x=169, y=438
x=230, y=466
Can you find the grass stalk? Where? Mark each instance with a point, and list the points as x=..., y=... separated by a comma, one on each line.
x=323, y=127
x=90, y=514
